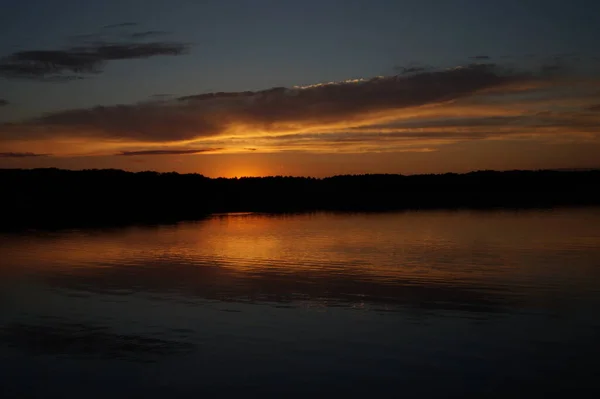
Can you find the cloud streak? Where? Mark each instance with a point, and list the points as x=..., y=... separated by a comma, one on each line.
x=420, y=111
x=21, y=155
x=4, y=103
x=148, y=33
x=120, y=25
x=594, y=108
x=168, y=152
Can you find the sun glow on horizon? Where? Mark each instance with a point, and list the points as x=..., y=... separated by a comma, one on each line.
x=244, y=171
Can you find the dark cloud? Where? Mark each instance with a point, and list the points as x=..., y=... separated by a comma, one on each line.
x=274, y=109
x=480, y=57
x=223, y=95
x=88, y=57
x=75, y=62
x=595, y=107
x=278, y=109
x=3, y=103
x=21, y=155
x=123, y=51
x=120, y=25
x=168, y=152
x=49, y=64
x=413, y=70
x=405, y=70
x=149, y=33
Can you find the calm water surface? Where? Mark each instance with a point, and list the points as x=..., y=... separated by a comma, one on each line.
x=413, y=304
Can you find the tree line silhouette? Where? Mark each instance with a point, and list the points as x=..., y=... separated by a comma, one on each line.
x=56, y=197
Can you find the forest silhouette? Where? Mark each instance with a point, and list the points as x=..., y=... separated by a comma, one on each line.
x=36, y=198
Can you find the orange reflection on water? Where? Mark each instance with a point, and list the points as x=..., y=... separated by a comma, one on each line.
x=456, y=247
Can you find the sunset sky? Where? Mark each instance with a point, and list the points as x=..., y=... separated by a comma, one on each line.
x=312, y=87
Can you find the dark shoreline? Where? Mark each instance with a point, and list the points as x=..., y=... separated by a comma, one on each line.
x=55, y=198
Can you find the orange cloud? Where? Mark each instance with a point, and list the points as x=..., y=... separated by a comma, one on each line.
x=417, y=113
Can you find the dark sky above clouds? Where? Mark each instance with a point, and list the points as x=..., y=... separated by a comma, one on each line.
x=312, y=87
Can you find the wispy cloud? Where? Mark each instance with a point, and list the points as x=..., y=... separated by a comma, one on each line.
x=413, y=68
x=168, y=152
x=21, y=155
x=120, y=25
x=3, y=103
x=87, y=56
x=149, y=33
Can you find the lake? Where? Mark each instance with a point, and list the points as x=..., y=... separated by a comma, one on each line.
x=414, y=304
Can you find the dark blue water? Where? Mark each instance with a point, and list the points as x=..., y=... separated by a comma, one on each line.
x=414, y=304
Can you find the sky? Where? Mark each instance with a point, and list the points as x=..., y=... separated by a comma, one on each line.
x=312, y=87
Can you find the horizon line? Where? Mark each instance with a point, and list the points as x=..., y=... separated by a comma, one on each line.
x=572, y=170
